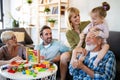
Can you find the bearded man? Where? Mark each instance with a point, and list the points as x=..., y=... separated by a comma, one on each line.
x=82, y=68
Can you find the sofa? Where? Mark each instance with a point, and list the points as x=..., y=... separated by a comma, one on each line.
x=27, y=41
x=114, y=42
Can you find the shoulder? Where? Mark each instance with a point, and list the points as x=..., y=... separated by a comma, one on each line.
x=54, y=41
x=70, y=32
x=57, y=42
x=38, y=46
x=110, y=54
x=21, y=45
x=84, y=22
x=3, y=47
x=3, y=50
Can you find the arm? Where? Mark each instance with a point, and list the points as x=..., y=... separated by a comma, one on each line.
x=56, y=59
x=82, y=36
x=3, y=62
x=23, y=53
x=83, y=33
x=103, y=51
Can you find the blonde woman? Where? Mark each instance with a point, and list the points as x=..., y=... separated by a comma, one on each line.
x=75, y=27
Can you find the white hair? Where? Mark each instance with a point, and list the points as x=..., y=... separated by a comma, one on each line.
x=6, y=35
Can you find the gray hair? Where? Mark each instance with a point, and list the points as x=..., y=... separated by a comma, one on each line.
x=6, y=35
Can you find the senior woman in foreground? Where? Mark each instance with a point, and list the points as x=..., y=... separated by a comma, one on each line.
x=11, y=51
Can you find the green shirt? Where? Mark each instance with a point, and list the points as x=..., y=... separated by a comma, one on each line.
x=73, y=37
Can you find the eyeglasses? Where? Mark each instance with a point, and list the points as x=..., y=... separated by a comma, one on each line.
x=13, y=38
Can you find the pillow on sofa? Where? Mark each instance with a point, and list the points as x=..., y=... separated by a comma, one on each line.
x=20, y=36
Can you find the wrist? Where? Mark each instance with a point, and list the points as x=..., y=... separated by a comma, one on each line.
x=81, y=66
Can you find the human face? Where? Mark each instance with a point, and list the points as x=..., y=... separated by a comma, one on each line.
x=75, y=19
x=92, y=43
x=90, y=47
x=13, y=41
x=46, y=36
x=96, y=18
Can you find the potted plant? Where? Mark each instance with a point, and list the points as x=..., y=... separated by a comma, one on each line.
x=51, y=21
x=29, y=1
x=15, y=23
x=47, y=9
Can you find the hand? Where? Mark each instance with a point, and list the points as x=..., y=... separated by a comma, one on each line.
x=77, y=63
x=74, y=63
x=95, y=30
x=80, y=50
x=17, y=58
x=97, y=33
x=77, y=51
x=82, y=36
x=80, y=64
x=42, y=57
x=81, y=56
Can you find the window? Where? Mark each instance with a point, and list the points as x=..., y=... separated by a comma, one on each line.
x=1, y=14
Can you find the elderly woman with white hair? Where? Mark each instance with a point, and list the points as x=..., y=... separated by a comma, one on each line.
x=12, y=50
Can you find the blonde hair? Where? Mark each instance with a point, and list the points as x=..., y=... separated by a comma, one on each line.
x=6, y=35
x=69, y=12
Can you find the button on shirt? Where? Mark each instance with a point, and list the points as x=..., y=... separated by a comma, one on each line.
x=52, y=50
x=105, y=70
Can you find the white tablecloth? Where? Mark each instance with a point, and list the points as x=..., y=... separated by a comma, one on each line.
x=20, y=76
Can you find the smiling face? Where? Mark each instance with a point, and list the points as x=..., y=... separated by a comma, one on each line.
x=75, y=19
x=46, y=36
x=96, y=18
x=93, y=43
x=12, y=41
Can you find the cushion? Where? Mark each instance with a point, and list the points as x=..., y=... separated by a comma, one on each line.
x=20, y=36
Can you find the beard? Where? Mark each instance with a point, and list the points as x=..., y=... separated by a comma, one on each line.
x=90, y=47
x=49, y=40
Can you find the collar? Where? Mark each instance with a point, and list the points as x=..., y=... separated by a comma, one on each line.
x=47, y=46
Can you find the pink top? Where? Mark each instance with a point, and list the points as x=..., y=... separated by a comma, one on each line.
x=104, y=27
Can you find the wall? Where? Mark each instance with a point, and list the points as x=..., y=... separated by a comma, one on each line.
x=6, y=9
x=113, y=14
x=83, y=5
